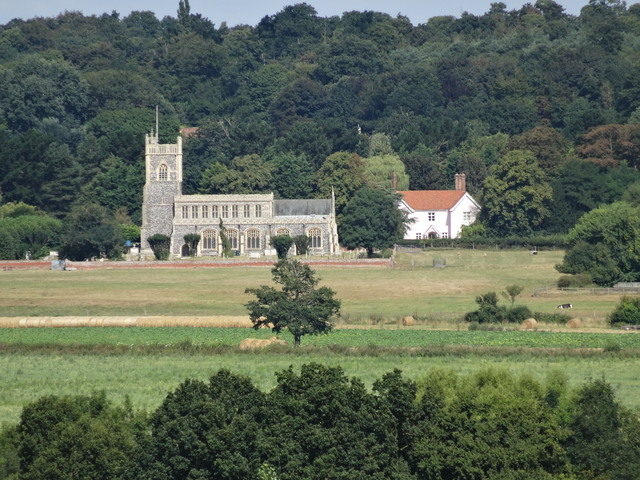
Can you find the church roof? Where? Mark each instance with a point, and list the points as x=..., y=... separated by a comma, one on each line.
x=282, y=208
x=432, y=199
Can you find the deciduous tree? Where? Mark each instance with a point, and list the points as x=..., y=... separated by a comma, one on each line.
x=298, y=305
x=372, y=220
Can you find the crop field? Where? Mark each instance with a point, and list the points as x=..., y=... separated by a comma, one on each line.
x=144, y=363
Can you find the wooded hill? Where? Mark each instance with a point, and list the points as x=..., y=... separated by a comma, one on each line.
x=271, y=102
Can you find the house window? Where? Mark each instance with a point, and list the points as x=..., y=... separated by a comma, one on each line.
x=466, y=217
x=258, y=211
x=209, y=238
x=225, y=211
x=194, y=211
x=283, y=231
x=253, y=239
x=185, y=211
x=214, y=211
x=445, y=235
x=418, y=236
x=431, y=216
x=247, y=211
x=232, y=236
x=315, y=237
x=234, y=211
x=163, y=173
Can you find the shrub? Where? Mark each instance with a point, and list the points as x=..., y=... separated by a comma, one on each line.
x=160, y=244
x=559, y=318
x=518, y=314
x=575, y=281
x=282, y=244
x=302, y=244
x=627, y=312
x=192, y=240
x=488, y=311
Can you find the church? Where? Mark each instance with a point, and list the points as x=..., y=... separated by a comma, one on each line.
x=249, y=220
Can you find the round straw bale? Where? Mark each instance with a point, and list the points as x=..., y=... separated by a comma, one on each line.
x=408, y=321
x=574, y=323
x=529, y=324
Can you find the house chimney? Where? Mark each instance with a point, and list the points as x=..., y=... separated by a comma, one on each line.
x=461, y=181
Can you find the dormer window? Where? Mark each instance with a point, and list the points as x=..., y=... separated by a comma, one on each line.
x=163, y=173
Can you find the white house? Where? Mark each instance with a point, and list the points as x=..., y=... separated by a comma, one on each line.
x=439, y=213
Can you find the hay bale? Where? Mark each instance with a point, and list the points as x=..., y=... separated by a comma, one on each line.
x=574, y=323
x=258, y=343
x=408, y=321
x=529, y=324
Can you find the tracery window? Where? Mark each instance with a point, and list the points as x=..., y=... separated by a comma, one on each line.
x=315, y=237
x=163, y=173
x=283, y=231
x=209, y=239
x=253, y=239
x=232, y=235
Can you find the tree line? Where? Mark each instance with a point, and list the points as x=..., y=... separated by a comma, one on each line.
x=537, y=107
x=319, y=423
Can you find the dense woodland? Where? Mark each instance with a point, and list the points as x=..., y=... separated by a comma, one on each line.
x=320, y=424
x=539, y=108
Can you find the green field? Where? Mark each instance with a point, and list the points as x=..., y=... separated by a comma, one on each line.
x=145, y=364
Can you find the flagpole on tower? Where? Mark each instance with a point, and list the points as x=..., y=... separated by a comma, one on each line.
x=157, y=132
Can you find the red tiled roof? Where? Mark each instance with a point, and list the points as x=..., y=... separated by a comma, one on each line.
x=432, y=199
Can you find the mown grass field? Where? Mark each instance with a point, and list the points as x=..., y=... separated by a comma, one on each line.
x=144, y=364
x=413, y=287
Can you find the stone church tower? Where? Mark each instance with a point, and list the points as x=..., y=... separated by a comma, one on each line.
x=163, y=163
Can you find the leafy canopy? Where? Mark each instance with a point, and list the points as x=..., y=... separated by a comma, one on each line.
x=298, y=306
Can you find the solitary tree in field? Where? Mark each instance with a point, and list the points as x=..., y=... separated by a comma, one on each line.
x=298, y=306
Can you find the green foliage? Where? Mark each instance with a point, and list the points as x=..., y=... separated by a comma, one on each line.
x=33, y=235
x=246, y=174
x=605, y=244
x=91, y=231
x=282, y=244
x=160, y=244
x=299, y=306
x=302, y=243
x=372, y=220
x=60, y=436
x=207, y=430
x=488, y=310
x=192, y=240
x=224, y=240
x=516, y=195
x=578, y=280
x=131, y=232
x=627, y=312
x=511, y=292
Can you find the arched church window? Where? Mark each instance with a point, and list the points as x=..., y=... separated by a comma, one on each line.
x=209, y=239
x=283, y=231
x=232, y=235
x=253, y=239
x=163, y=173
x=315, y=237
